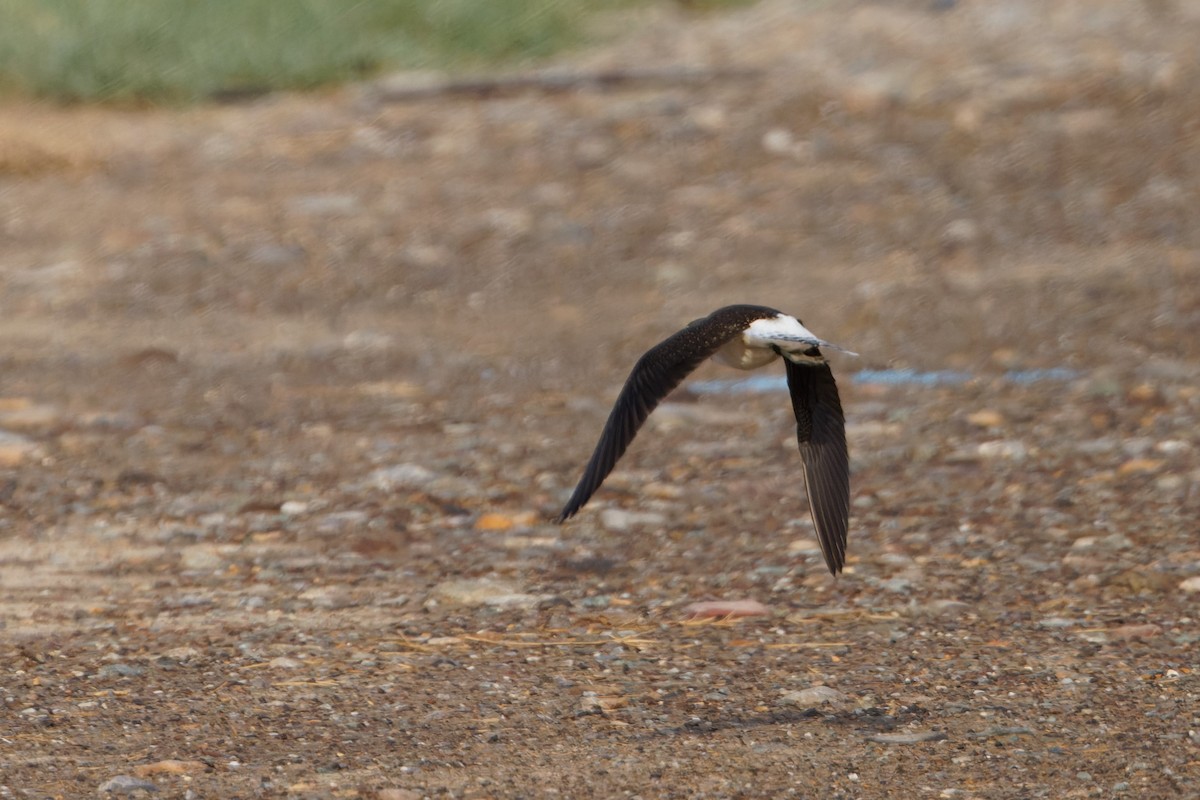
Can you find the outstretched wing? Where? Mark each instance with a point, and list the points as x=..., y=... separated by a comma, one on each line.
x=656, y=373
x=821, y=432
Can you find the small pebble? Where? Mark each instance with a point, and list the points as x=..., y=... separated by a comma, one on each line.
x=777, y=141
x=1139, y=580
x=29, y=417
x=813, y=696
x=1002, y=731
x=203, y=557
x=1114, y=541
x=397, y=794
x=126, y=784
x=601, y=704
x=907, y=738
x=944, y=608
x=285, y=662
x=897, y=585
x=727, y=608
x=170, y=766
x=119, y=671
x=341, y=521
x=401, y=476
x=484, y=592
x=494, y=522
x=986, y=418
x=15, y=448
x=1138, y=466
x=328, y=597
x=1007, y=449
x=620, y=520
x=963, y=232
x=324, y=204
x=293, y=508
x=185, y=653
x=1126, y=633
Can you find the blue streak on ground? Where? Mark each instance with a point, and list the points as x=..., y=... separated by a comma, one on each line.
x=755, y=384
x=1035, y=375
x=758, y=384
x=912, y=377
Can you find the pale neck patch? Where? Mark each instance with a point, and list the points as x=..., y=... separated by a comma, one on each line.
x=779, y=329
x=784, y=332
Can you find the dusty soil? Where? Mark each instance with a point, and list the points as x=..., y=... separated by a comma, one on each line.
x=288, y=391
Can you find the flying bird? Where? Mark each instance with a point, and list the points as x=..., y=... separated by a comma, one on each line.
x=744, y=337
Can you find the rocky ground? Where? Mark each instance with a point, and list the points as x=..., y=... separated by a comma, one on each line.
x=289, y=390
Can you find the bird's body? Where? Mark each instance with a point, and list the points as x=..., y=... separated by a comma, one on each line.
x=744, y=337
x=767, y=338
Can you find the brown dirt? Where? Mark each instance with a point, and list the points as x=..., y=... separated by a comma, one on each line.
x=283, y=383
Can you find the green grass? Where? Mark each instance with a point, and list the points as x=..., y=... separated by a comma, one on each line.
x=184, y=50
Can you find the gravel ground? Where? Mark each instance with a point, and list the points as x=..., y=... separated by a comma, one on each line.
x=290, y=389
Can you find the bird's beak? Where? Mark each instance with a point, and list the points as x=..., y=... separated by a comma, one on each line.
x=832, y=346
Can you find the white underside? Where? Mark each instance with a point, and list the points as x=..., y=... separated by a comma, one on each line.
x=741, y=355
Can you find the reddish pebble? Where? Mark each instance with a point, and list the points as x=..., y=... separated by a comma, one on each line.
x=1125, y=633
x=727, y=608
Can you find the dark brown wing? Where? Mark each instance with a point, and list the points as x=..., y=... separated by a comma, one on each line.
x=653, y=377
x=821, y=432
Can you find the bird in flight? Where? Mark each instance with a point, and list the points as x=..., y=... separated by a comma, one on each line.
x=744, y=337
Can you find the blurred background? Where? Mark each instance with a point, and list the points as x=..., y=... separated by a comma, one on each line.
x=313, y=300
x=939, y=184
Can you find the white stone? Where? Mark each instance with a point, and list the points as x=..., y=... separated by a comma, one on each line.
x=484, y=592
x=401, y=476
x=813, y=696
x=620, y=520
